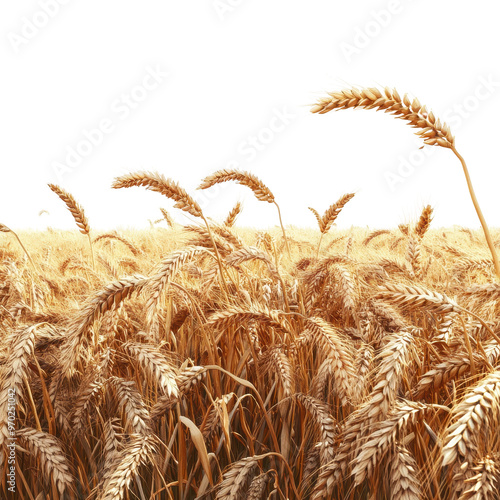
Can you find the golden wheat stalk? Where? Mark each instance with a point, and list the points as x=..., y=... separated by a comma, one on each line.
x=424, y=221
x=326, y=221
x=135, y=251
x=251, y=253
x=78, y=214
x=275, y=361
x=159, y=184
x=90, y=392
x=139, y=450
x=49, y=450
x=137, y=418
x=334, y=344
x=431, y=130
x=155, y=364
x=484, y=483
x=167, y=217
x=111, y=446
x=13, y=373
x=233, y=214
x=375, y=234
x=326, y=424
x=5, y=229
x=259, y=189
x=317, y=216
x=103, y=301
x=471, y=419
x=167, y=187
x=405, y=484
x=236, y=477
x=164, y=275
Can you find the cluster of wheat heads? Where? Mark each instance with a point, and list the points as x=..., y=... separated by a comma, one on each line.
x=209, y=362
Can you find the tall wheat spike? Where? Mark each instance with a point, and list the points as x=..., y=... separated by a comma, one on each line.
x=326, y=221
x=424, y=222
x=167, y=217
x=233, y=214
x=259, y=189
x=77, y=212
x=431, y=130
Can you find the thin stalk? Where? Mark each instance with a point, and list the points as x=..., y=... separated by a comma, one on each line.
x=283, y=229
x=283, y=289
x=486, y=231
x=24, y=248
x=483, y=323
x=319, y=244
x=258, y=397
x=219, y=261
x=469, y=348
x=91, y=251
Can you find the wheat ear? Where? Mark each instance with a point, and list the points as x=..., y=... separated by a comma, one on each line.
x=139, y=450
x=13, y=373
x=77, y=213
x=260, y=190
x=233, y=214
x=330, y=215
x=424, y=222
x=471, y=419
x=167, y=217
x=48, y=449
x=432, y=131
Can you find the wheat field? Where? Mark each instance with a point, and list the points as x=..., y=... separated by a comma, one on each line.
x=212, y=361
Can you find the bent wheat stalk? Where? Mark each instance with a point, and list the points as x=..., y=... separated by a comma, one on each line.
x=77, y=213
x=260, y=190
x=432, y=131
x=5, y=229
x=167, y=187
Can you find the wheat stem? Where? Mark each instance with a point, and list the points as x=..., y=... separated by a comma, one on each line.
x=24, y=248
x=219, y=261
x=282, y=229
x=486, y=231
x=319, y=244
x=91, y=251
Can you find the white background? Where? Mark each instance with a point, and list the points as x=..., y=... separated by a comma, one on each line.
x=233, y=65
